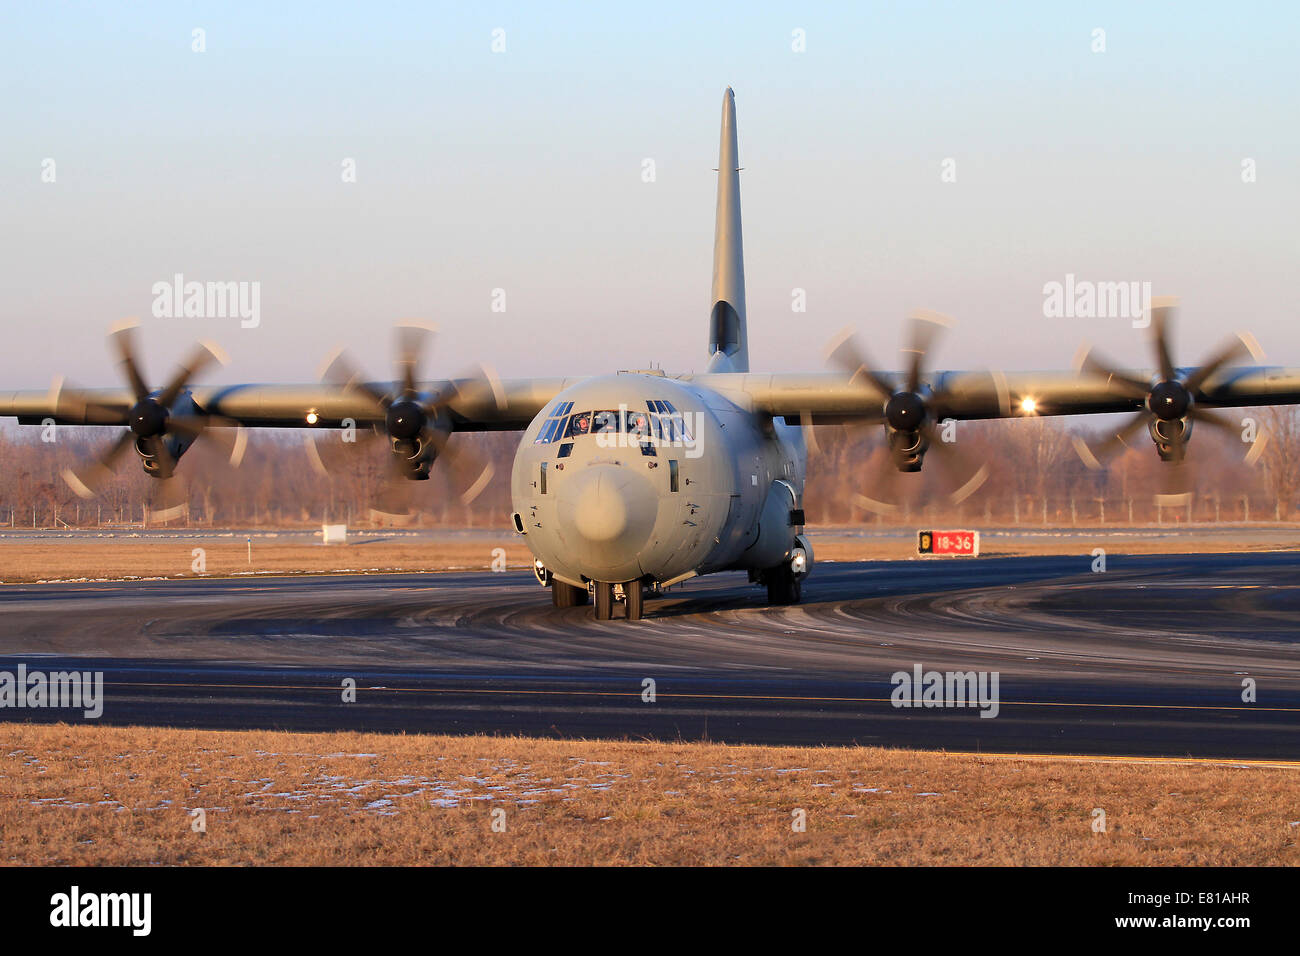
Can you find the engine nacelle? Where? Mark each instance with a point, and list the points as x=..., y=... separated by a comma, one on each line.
x=907, y=448
x=154, y=466
x=1166, y=434
x=414, y=457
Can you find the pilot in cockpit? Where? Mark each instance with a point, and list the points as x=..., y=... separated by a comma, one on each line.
x=638, y=426
x=580, y=424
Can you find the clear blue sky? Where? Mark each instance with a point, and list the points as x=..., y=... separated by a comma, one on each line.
x=522, y=170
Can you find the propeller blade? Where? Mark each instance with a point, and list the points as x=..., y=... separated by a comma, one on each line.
x=170, y=500
x=809, y=433
x=123, y=338
x=845, y=353
x=365, y=437
x=469, y=470
x=226, y=432
x=1095, y=456
x=885, y=480
x=412, y=341
x=1131, y=387
x=957, y=463
x=1233, y=349
x=1214, y=421
x=392, y=504
x=87, y=482
x=189, y=426
x=340, y=370
x=1161, y=316
x=74, y=405
x=204, y=355
x=480, y=390
x=926, y=326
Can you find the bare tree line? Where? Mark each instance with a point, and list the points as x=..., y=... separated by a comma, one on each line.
x=1034, y=478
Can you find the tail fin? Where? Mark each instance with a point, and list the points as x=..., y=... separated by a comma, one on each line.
x=728, y=340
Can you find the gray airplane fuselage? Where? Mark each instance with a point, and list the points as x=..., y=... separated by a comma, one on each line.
x=637, y=476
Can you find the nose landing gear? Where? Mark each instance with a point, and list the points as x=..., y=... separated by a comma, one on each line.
x=604, y=600
x=634, y=596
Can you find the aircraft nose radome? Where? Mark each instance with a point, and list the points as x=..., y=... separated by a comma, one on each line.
x=602, y=510
x=607, y=507
x=612, y=511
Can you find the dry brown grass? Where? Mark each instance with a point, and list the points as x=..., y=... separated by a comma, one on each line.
x=103, y=795
x=118, y=557
x=123, y=556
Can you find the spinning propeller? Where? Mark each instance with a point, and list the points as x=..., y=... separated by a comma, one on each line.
x=1170, y=402
x=910, y=413
x=161, y=424
x=417, y=424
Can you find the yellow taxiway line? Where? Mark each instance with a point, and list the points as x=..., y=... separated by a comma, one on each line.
x=521, y=692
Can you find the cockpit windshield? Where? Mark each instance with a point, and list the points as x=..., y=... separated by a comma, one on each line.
x=579, y=424
x=661, y=422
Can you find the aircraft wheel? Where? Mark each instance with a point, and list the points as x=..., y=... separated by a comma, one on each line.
x=783, y=587
x=566, y=595
x=604, y=600
x=635, y=595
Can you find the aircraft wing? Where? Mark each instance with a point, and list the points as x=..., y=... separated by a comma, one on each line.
x=475, y=404
x=820, y=398
x=827, y=398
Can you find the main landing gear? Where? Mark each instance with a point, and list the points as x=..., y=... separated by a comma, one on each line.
x=783, y=585
x=566, y=595
x=785, y=580
x=633, y=600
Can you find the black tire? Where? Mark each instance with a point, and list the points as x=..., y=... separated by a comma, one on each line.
x=635, y=595
x=783, y=586
x=566, y=595
x=604, y=600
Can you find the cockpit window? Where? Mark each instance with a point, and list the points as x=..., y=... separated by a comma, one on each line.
x=606, y=422
x=661, y=422
x=579, y=425
x=670, y=425
x=553, y=428
x=638, y=426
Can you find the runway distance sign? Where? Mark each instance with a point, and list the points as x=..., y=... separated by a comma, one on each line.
x=948, y=543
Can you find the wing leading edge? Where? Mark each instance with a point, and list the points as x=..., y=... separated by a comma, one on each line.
x=824, y=398
x=502, y=405
x=828, y=398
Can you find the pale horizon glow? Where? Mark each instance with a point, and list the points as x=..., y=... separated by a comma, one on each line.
x=522, y=171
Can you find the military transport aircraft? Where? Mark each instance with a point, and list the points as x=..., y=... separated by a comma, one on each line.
x=640, y=480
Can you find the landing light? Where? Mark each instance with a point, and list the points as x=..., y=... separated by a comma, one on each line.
x=312, y=418
x=1028, y=406
x=799, y=561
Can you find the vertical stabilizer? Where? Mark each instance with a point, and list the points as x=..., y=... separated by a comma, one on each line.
x=728, y=341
